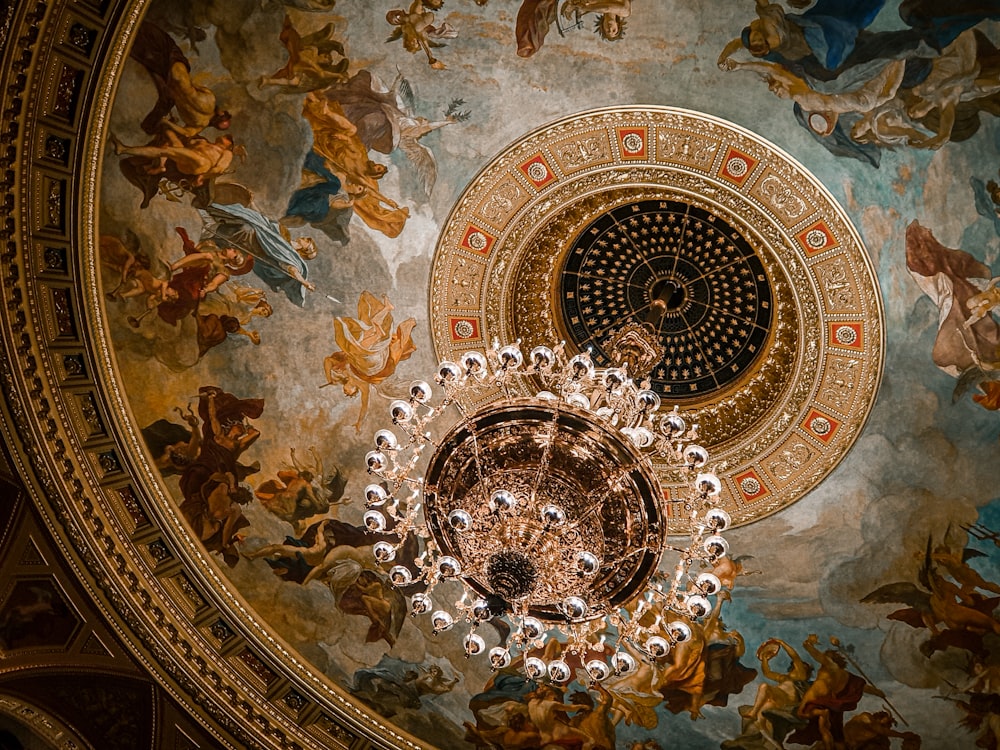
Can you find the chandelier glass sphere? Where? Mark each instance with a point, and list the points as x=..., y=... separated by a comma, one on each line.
x=546, y=512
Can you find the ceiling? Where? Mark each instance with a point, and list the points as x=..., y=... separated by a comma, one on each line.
x=444, y=165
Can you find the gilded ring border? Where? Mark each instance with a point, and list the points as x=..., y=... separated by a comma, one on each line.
x=834, y=284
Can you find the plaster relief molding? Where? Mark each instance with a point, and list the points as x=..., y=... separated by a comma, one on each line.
x=57, y=734
x=92, y=507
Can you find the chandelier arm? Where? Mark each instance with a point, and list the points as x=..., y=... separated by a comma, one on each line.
x=543, y=464
x=477, y=458
x=592, y=510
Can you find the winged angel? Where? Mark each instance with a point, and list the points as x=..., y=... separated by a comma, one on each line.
x=967, y=615
x=385, y=119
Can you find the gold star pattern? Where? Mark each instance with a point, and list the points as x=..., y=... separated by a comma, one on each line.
x=684, y=271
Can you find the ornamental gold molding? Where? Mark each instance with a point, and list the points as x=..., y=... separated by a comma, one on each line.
x=605, y=188
x=65, y=420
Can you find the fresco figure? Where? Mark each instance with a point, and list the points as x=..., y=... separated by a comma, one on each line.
x=196, y=106
x=833, y=692
x=302, y=491
x=358, y=590
x=311, y=61
x=336, y=141
x=611, y=15
x=196, y=288
x=817, y=41
x=955, y=563
x=718, y=672
x=500, y=716
x=212, y=485
x=270, y=252
x=194, y=160
x=393, y=685
x=369, y=350
x=321, y=201
x=230, y=312
x=982, y=304
x=292, y=559
x=982, y=715
x=987, y=200
x=873, y=93
x=385, y=119
x=915, y=100
x=773, y=712
x=173, y=446
x=208, y=263
x=951, y=278
x=134, y=273
x=199, y=286
x=534, y=18
x=340, y=555
x=416, y=27
x=831, y=36
x=967, y=616
x=874, y=731
x=962, y=82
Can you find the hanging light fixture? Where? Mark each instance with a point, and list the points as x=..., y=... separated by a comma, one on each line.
x=545, y=511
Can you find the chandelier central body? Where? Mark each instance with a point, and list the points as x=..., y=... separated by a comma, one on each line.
x=547, y=509
x=582, y=492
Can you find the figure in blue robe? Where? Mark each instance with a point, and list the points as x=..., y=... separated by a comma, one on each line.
x=276, y=260
x=321, y=201
x=831, y=36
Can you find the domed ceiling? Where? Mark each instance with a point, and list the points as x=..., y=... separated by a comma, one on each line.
x=236, y=231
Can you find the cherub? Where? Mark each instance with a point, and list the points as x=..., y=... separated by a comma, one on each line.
x=611, y=19
x=417, y=30
x=135, y=278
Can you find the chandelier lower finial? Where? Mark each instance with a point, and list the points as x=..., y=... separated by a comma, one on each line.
x=511, y=574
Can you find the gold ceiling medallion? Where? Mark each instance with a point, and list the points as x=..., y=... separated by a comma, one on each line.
x=696, y=246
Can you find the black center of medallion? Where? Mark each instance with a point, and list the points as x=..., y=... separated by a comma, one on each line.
x=684, y=271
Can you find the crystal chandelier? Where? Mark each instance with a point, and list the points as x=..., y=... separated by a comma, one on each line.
x=547, y=510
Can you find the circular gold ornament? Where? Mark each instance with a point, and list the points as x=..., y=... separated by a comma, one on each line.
x=754, y=289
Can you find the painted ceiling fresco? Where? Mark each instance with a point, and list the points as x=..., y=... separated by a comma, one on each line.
x=275, y=179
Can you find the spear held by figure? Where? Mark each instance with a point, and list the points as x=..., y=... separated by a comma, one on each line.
x=846, y=653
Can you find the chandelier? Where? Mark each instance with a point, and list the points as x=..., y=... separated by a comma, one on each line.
x=547, y=510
